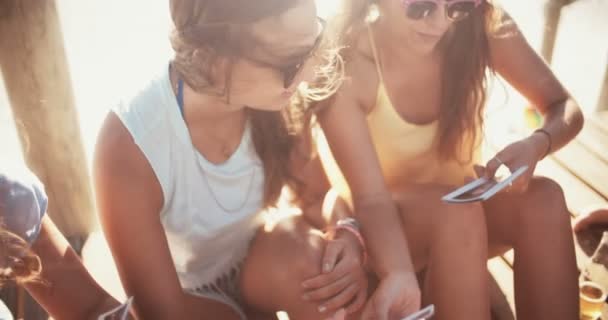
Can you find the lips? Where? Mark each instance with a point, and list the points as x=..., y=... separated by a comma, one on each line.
x=428, y=36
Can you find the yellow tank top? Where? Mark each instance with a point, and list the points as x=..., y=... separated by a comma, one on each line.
x=408, y=153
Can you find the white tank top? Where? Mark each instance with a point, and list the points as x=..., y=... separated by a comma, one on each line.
x=210, y=212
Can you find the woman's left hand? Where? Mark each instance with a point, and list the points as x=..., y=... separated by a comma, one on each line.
x=526, y=152
x=343, y=282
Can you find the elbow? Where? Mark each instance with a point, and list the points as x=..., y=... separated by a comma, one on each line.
x=577, y=119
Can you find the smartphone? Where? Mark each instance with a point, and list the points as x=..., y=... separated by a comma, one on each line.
x=482, y=189
x=422, y=314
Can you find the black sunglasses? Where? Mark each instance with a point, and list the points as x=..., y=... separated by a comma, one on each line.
x=291, y=71
x=455, y=10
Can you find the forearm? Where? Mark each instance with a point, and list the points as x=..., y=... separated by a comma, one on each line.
x=562, y=122
x=325, y=211
x=64, y=278
x=105, y=304
x=384, y=235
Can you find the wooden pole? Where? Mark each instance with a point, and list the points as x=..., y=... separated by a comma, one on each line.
x=602, y=104
x=35, y=72
x=552, y=12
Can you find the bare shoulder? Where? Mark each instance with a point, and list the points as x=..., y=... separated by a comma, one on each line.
x=505, y=34
x=362, y=80
x=120, y=164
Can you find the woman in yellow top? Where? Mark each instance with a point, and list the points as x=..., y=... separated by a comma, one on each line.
x=403, y=131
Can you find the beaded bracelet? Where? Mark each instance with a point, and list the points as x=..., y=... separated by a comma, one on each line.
x=351, y=225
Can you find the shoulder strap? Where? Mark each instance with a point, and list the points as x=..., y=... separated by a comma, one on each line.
x=372, y=42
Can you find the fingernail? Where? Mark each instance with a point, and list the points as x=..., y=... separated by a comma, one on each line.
x=304, y=284
x=326, y=267
x=305, y=297
x=322, y=309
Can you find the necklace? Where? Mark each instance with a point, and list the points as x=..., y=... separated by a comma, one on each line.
x=180, y=100
x=214, y=196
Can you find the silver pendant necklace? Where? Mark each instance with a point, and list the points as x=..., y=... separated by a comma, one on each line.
x=214, y=196
x=180, y=101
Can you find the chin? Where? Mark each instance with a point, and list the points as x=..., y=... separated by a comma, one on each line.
x=423, y=45
x=271, y=107
x=424, y=48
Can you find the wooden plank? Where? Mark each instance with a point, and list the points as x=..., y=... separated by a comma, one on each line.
x=602, y=103
x=503, y=275
x=35, y=72
x=552, y=12
x=599, y=120
x=595, y=140
x=591, y=170
x=584, y=79
x=578, y=194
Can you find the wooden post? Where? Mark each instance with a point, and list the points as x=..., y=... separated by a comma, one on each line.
x=552, y=12
x=35, y=71
x=602, y=104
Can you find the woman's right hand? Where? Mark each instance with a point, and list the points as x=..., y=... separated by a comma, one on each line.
x=397, y=296
x=342, y=285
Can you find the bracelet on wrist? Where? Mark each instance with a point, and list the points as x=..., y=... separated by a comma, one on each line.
x=549, y=141
x=352, y=226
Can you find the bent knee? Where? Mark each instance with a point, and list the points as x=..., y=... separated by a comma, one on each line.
x=279, y=261
x=465, y=216
x=545, y=189
x=544, y=204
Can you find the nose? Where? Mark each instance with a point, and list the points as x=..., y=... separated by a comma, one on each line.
x=438, y=21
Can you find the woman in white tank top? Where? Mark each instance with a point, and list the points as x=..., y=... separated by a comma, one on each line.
x=185, y=166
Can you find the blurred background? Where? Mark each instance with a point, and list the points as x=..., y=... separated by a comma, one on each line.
x=114, y=46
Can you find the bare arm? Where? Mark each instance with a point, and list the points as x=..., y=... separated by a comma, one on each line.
x=129, y=199
x=68, y=290
x=345, y=127
x=524, y=69
x=321, y=206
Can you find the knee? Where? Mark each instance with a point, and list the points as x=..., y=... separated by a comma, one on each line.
x=278, y=262
x=300, y=250
x=544, y=204
x=546, y=190
x=467, y=219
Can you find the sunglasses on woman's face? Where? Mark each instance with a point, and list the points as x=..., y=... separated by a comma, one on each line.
x=455, y=9
x=292, y=71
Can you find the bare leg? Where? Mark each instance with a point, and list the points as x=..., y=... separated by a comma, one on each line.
x=278, y=262
x=537, y=225
x=450, y=240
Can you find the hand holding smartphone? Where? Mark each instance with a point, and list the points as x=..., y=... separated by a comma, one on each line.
x=422, y=314
x=482, y=189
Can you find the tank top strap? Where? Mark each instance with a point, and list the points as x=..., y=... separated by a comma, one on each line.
x=372, y=42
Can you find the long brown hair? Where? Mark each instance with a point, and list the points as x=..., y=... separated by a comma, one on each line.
x=19, y=263
x=209, y=30
x=466, y=65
